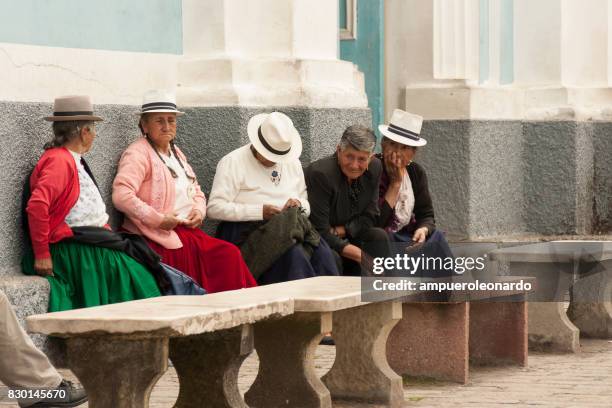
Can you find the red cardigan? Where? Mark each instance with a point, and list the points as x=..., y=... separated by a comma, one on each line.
x=54, y=186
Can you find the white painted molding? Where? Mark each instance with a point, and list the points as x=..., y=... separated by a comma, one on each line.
x=350, y=32
x=455, y=39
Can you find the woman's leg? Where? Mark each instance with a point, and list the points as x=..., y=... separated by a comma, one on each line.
x=323, y=260
x=292, y=265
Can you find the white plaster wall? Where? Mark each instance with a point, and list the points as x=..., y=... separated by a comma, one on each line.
x=259, y=28
x=39, y=74
x=585, y=43
x=203, y=27
x=408, y=49
x=265, y=53
x=537, y=42
x=315, y=22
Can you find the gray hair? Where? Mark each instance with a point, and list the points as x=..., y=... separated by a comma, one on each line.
x=66, y=131
x=359, y=138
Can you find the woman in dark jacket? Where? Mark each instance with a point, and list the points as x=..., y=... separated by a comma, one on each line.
x=406, y=210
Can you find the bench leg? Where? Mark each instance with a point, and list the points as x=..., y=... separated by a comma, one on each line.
x=550, y=329
x=591, y=306
x=207, y=366
x=498, y=332
x=286, y=349
x=431, y=340
x=117, y=372
x=360, y=371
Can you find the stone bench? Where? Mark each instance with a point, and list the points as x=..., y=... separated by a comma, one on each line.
x=119, y=351
x=440, y=339
x=207, y=338
x=585, y=268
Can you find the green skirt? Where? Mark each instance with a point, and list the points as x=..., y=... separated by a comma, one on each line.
x=86, y=275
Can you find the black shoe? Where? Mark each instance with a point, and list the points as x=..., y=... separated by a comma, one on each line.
x=327, y=341
x=69, y=395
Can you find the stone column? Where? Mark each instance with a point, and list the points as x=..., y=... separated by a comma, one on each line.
x=243, y=58
x=524, y=121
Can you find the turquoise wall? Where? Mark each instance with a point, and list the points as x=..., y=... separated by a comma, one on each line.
x=506, y=74
x=506, y=62
x=367, y=52
x=134, y=25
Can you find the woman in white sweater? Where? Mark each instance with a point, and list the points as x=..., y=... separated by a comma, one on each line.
x=259, y=181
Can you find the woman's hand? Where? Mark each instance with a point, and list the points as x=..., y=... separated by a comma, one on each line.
x=169, y=222
x=395, y=167
x=352, y=252
x=292, y=202
x=194, y=219
x=338, y=231
x=44, y=267
x=270, y=211
x=420, y=235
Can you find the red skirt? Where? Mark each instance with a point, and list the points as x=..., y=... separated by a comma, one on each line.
x=215, y=264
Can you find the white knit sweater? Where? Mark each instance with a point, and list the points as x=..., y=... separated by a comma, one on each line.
x=242, y=186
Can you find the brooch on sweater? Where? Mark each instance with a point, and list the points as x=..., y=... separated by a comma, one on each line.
x=275, y=177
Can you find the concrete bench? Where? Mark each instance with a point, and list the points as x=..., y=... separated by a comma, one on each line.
x=440, y=339
x=124, y=347
x=119, y=351
x=585, y=268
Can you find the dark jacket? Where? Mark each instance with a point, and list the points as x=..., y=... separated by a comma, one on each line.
x=266, y=244
x=330, y=205
x=423, y=208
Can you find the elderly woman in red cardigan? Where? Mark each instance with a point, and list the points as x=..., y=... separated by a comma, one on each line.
x=63, y=201
x=158, y=192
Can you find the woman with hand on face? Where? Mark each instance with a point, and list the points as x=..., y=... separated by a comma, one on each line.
x=343, y=190
x=406, y=210
x=404, y=200
x=158, y=192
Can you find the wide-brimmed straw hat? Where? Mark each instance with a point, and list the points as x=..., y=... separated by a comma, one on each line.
x=404, y=128
x=72, y=107
x=274, y=137
x=159, y=101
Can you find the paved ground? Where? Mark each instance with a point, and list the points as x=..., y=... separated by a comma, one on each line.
x=581, y=380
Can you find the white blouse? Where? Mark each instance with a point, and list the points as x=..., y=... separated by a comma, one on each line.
x=89, y=209
x=405, y=202
x=184, y=189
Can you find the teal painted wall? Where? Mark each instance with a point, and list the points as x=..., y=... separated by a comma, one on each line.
x=506, y=63
x=506, y=74
x=134, y=25
x=367, y=52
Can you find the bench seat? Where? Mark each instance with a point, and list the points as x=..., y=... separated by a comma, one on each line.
x=585, y=268
x=119, y=351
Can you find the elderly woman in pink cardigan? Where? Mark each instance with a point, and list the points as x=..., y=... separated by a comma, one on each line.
x=158, y=192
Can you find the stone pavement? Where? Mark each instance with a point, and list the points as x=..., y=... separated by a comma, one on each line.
x=582, y=380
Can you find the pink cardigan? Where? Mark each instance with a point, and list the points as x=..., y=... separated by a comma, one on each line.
x=144, y=191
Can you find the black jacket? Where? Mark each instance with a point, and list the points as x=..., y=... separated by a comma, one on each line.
x=330, y=205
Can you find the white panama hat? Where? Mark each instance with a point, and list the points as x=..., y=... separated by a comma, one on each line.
x=404, y=128
x=159, y=101
x=274, y=137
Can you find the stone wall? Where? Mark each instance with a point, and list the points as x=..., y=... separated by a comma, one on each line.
x=504, y=178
